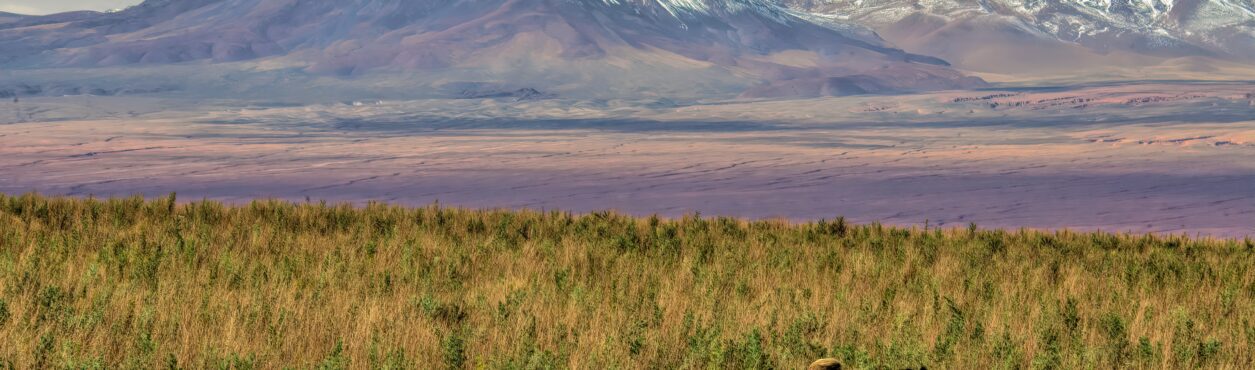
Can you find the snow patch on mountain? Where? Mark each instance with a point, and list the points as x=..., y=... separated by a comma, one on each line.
x=1159, y=27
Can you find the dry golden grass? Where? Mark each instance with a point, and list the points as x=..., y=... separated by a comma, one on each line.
x=129, y=283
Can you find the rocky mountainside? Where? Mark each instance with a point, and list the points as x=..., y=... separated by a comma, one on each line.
x=1007, y=35
x=9, y=17
x=753, y=45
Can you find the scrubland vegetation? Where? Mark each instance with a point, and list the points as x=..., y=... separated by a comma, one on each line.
x=130, y=283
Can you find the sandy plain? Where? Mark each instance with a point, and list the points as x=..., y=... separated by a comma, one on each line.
x=1163, y=157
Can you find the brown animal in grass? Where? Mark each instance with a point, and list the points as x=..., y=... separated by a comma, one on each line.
x=825, y=364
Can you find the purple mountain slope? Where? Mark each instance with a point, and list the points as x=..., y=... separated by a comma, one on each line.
x=771, y=50
x=9, y=17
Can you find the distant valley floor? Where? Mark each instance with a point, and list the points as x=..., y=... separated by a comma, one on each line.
x=1142, y=157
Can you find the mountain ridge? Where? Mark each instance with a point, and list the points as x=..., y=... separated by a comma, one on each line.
x=1065, y=34
x=499, y=39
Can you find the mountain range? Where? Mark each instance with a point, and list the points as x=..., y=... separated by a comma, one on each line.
x=747, y=48
x=754, y=47
x=1020, y=36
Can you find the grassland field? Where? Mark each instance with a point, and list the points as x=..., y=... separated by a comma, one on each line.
x=160, y=283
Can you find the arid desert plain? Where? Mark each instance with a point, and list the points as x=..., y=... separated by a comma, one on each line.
x=1164, y=157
